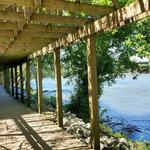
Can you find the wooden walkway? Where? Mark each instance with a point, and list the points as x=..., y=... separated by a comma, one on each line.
x=23, y=129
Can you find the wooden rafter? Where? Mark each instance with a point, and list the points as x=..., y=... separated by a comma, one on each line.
x=48, y=19
x=62, y=5
x=129, y=13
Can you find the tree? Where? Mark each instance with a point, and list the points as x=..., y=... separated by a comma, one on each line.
x=113, y=49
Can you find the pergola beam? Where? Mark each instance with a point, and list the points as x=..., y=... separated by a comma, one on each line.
x=37, y=27
x=62, y=5
x=41, y=34
x=49, y=29
x=8, y=26
x=130, y=13
x=36, y=18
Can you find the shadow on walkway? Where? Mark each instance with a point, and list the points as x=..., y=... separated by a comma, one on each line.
x=22, y=128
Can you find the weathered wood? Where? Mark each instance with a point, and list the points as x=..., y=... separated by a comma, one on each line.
x=7, y=80
x=28, y=88
x=21, y=84
x=93, y=91
x=60, y=19
x=66, y=20
x=6, y=33
x=12, y=81
x=58, y=88
x=1, y=78
x=8, y=26
x=118, y=18
x=16, y=83
x=49, y=28
x=39, y=79
x=4, y=75
x=63, y=5
x=41, y=34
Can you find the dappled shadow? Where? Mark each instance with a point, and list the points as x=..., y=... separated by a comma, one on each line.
x=34, y=139
x=22, y=128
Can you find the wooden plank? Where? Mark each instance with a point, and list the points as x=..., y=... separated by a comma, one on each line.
x=12, y=81
x=58, y=88
x=16, y=83
x=60, y=19
x=28, y=88
x=21, y=84
x=63, y=5
x=6, y=33
x=8, y=26
x=116, y=19
x=48, y=28
x=39, y=79
x=36, y=18
x=41, y=34
x=93, y=91
x=12, y=16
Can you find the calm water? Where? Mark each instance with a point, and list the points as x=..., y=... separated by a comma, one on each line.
x=127, y=103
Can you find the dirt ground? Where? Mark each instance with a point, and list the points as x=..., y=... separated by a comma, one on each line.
x=23, y=129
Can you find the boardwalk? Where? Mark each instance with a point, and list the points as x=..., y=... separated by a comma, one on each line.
x=23, y=129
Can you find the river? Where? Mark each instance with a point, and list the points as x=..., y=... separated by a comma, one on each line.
x=127, y=103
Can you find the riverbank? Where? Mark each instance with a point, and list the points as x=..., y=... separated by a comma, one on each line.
x=127, y=103
x=108, y=139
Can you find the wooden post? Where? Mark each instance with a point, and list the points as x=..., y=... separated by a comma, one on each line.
x=28, y=89
x=21, y=84
x=8, y=80
x=93, y=91
x=58, y=88
x=12, y=81
x=4, y=75
x=16, y=83
x=39, y=79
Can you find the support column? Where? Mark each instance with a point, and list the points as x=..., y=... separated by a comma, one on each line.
x=4, y=75
x=39, y=79
x=12, y=81
x=7, y=80
x=21, y=84
x=16, y=83
x=58, y=88
x=93, y=91
x=28, y=89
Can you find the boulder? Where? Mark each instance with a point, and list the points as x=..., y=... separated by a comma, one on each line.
x=123, y=141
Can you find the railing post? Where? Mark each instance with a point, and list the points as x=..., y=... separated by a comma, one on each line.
x=12, y=81
x=58, y=87
x=28, y=88
x=16, y=83
x=21, y=84
x=93, y=91
x=39, y=79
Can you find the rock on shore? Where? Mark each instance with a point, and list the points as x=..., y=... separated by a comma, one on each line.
x=81, y=130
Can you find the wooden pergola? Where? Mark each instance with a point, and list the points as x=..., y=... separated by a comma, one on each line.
x=32, y=28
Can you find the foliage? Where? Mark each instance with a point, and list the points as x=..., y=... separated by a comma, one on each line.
x=142, y=145
x=113, y=49
x=48, y=65
x=50, y=100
